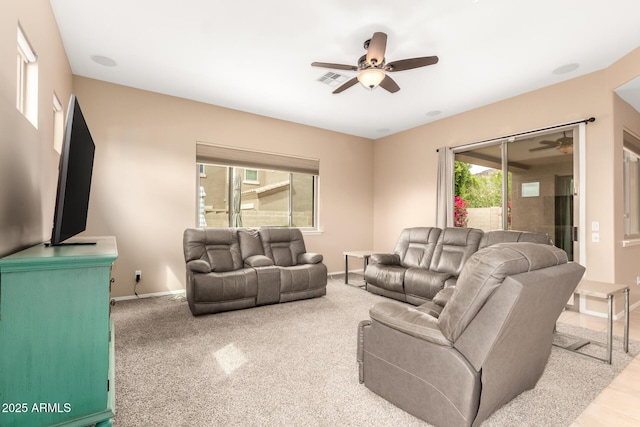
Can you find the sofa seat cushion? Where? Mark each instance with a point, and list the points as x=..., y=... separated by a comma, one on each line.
x=390, y=277
x=303, y=277
x=226, y=286
x=424, y=283
x=410, y=320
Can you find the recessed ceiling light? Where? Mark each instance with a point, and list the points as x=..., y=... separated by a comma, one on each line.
x=104, y=60
x=434, y=113
x=566, y=68
x=383, y=130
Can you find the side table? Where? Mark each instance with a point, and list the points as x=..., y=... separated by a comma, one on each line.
x=364, y=255
x=606, y=291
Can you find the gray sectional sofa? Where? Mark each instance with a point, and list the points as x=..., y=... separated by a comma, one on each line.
x=426, y=262
x=235, y=268
x=489, y=343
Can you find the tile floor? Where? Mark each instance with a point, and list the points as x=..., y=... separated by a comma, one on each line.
x=619, y=404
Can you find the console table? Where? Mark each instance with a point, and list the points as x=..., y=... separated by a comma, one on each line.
x=56, y=336
x=605, y=291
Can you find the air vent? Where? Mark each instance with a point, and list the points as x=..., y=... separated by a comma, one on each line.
x=333, y=79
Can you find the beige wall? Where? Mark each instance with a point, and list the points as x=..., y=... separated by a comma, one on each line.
x=405, y=164
x=139, y=133
x=368, y=192
x=28, y=162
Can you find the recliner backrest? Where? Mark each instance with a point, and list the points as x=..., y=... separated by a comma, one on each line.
x=282, y=244
x=218, y=246
x=454, y=248
x=416, y=245
x=502, y=236
x=484, y=272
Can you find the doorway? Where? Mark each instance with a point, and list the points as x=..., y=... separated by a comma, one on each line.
x=523, y=183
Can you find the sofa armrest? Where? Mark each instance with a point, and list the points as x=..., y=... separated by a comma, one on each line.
x=309, y=258
x=386, y=259
x=199, y=266
x=443, y=297
x=410, y=321
x=258, y=261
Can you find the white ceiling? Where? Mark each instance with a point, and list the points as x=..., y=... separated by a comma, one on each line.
x=255, y=56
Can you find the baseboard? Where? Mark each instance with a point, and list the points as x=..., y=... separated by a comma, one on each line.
x=360, y=270
x=151, y=295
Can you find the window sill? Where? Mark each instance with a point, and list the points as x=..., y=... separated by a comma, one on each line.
x=631, y=242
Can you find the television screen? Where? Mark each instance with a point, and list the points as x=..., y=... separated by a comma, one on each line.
x=74, y=177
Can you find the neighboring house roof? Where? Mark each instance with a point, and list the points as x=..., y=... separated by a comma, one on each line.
x=266, y=188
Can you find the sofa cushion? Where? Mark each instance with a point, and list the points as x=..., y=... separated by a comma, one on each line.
x=390, y=277
x=416, y=245
x=410, y=320
x=503, y=236
x=217, y=246
x=250, y=243
x=282, y=244
x=484, y=272
x=227, y=286
x=423, y=283
x=454, y=247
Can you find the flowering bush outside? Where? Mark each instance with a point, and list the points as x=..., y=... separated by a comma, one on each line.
x=460, y=212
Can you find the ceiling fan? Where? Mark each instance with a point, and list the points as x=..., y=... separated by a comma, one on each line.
x=563, y=144
x=372, y=67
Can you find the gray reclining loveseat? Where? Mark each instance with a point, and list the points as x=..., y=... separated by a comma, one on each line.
x=234, y=268
x=426, y=262
x=491, y=341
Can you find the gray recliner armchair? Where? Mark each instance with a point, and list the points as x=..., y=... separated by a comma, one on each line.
x=491, y=341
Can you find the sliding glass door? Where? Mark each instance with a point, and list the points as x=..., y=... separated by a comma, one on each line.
x=525, y=183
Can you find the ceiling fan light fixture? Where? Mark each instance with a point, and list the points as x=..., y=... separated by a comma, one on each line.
x=565, y=149
x=371, y=77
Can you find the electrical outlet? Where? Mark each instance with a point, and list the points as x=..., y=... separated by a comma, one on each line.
x=138, y=275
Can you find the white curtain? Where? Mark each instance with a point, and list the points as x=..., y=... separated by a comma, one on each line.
x=444, y=203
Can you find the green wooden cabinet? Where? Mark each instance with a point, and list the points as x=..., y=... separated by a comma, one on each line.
x=56, y=336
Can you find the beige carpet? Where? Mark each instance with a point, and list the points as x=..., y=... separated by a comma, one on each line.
x=293, y=364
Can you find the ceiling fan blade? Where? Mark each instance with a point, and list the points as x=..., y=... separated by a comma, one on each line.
x=548, y=147
x=408, y=64
x=334, y=66
x=389, y=84
x=376, y=49
x=346, y=85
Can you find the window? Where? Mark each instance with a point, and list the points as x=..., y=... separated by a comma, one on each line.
x=251, y=176
x=631, y=157
x=234, y=191
x=27, y=80
x=58, y=124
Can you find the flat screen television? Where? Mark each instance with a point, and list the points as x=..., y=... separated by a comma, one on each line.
x=74, y=177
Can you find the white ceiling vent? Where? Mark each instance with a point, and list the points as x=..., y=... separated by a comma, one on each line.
x=333, y=79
